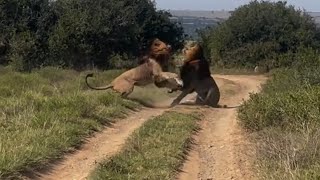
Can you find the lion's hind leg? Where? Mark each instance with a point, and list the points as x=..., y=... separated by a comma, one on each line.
x=210, y=97
x=124, y=88
x=213, y=97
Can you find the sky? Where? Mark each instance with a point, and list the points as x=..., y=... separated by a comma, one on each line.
x=308, y=5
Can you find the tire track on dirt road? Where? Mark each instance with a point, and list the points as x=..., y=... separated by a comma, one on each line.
x=222, y=150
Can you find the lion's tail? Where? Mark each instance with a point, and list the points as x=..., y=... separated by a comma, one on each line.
x=96, y=88
x=222, y=106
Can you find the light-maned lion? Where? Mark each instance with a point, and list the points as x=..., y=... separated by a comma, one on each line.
x=150, y=71
x=196, y=76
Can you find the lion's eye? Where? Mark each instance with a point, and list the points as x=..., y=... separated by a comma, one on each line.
x=157, y=44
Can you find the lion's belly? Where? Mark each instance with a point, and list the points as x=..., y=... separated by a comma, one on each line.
x=143, y=78
x=144, y=82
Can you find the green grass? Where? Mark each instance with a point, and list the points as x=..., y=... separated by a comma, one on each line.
x=48, y=112
x=285, y=120
x=155, y=151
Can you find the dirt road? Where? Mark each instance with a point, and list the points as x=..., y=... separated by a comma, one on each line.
x=222, y=151
x=78, y=165
x=219, y=154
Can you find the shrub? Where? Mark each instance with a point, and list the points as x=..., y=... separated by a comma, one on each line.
x=80, y=33
x=285, y=119
x=293, y=110
x=259, y=32
x=91, y=32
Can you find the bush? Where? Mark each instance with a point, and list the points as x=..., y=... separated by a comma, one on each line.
x=258, y=33
x=117, y=61
x=285, y=119
x=91, y=32
x=25, y=27
x=289, y=99
x=80, y=33
x=294, y=110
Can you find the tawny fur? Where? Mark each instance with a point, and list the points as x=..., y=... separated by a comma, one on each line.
x=150, y=71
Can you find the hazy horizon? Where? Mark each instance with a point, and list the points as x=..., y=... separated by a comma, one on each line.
x=216, y=5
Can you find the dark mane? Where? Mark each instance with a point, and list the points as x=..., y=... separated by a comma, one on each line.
x=195, y=71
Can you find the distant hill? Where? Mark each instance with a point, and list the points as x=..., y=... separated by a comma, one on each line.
x=192, y=20
x=202, y=14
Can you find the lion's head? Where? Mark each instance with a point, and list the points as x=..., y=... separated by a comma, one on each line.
x=160, y=51
x=194, y=64
x=158, y=48
x=192, y=51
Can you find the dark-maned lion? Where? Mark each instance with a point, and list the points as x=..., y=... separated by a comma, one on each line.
x=196, y=76
x=150, y=71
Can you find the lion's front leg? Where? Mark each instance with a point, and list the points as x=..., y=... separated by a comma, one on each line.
x=168, y=80
x=183, y=94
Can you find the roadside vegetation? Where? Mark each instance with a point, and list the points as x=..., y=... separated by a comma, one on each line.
x=46, y=49
x=155, y=151
x=260, y=33
x=284, y=119
x=81, y=34
x=50, y=111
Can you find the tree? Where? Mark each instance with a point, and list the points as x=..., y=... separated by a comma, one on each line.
x=258, y=32
x=90, y=32
x=78, y=33
x=25, y=28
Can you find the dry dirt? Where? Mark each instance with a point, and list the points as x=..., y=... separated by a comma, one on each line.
x=79, y=164
x=221, y=151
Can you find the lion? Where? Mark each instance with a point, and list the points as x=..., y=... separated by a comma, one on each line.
x=196, y=76
x=150, y=71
